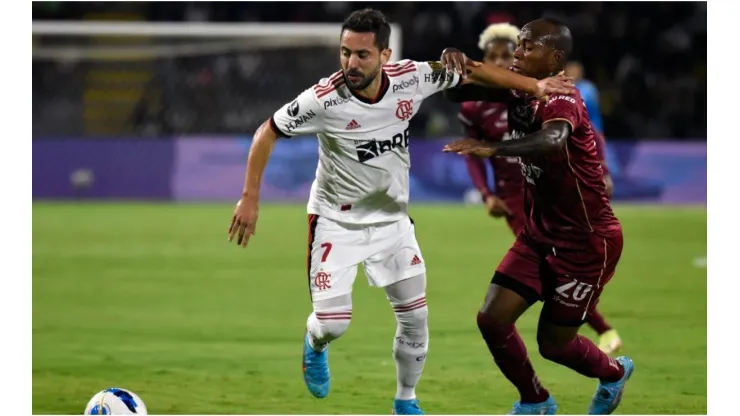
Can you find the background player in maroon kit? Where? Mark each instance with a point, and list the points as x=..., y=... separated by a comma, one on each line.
x=488, y=121
x=571, y=241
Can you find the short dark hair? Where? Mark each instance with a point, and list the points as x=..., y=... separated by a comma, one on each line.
x=369, y=21
x=560, y=38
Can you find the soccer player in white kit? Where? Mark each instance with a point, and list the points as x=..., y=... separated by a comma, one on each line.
x=358, y=208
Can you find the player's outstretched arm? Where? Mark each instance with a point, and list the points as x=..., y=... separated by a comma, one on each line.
x=495, y=77
x=259, y=153
x=550, y=138
x=302, y=116
x=493, y=85
x=244, y=221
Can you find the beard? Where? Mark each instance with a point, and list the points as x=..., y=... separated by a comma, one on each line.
x=362, y=83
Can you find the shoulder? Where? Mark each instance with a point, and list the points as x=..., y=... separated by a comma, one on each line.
x=327, y=86
x=401, y=66
x=401, y=70
x=573, y=98
x=407, y=66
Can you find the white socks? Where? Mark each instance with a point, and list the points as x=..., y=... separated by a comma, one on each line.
x=411, y=345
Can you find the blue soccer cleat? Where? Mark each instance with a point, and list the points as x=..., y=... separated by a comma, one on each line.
x=316, y=369
x=548, y=407
x=609, y=395
x=406, y=407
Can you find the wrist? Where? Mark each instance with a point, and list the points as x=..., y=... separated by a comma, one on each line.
x=250, y=195
x=530, y=86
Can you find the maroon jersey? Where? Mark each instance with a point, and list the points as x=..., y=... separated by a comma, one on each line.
x=564, y=193
x=488, y=121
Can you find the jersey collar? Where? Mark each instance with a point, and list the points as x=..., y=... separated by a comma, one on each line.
x=384, y=84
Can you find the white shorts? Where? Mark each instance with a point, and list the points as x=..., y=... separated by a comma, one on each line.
x=388, y=251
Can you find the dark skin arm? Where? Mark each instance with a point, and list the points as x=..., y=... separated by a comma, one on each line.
x=498, y=80
x=549, y=139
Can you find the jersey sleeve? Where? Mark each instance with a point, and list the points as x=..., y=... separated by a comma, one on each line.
x=301, y=116
x=563, y=107
x=468, y=117
x=434, y=78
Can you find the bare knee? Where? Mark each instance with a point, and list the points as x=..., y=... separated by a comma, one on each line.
x=502, y=306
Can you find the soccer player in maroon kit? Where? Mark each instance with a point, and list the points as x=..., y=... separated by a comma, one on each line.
x=571, y=241
x=488, y=121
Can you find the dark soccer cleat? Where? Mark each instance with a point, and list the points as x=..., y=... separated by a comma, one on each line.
x=316, y=370
x=609, y=395
x=548, y=407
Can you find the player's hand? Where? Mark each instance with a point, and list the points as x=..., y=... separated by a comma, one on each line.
x=558, y=84
x=496, y=207
x=470, y=147
x=609, y=185
x=244, y=221
x=455, y=61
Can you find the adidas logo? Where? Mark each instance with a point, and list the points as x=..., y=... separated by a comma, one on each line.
x=353, y=125
x=416, y=260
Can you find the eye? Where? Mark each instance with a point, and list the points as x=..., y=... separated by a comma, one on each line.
x=362, y=55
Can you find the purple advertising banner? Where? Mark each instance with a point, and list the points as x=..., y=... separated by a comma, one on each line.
x=102, y=169
x=677, y=170
x=212, y=169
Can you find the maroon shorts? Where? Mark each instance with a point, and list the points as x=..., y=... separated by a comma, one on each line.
x=569, y=281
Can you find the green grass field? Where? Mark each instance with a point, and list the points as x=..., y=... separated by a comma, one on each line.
x=153, y=299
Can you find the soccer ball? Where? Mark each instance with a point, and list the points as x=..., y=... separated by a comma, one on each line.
x=115, y=401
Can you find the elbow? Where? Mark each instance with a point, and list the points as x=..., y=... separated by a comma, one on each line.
x=556, y=141
x=556, y=135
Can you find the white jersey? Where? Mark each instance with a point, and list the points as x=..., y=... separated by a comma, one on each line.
x=363, y=171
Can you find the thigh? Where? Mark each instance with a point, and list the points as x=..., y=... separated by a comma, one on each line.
x=520, y=270
x=409, y=289
x=397, y=254
x=577, y=278
x=333, y=254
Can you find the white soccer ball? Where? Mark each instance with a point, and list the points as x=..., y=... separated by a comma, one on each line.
x=115, y=401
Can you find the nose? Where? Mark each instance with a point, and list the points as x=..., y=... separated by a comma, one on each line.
x=518, y=53
x=354, y=62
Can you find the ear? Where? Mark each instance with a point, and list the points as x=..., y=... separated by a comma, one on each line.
x=385, y=55
x=558, y=59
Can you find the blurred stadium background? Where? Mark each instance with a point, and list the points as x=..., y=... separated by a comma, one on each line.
x=142, y=119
